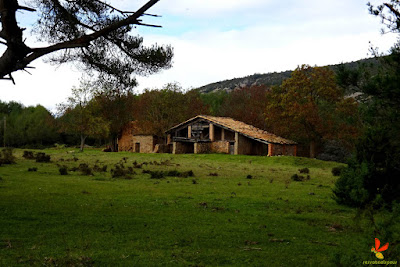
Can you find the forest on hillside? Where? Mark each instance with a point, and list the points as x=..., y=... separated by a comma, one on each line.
x=276, y=78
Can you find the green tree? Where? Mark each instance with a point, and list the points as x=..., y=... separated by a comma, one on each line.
x=372, y=177
x=158, y=110
x=214, y=100
x=81, y=116
x=30, y=126
x=116, y=105
x=93, y=34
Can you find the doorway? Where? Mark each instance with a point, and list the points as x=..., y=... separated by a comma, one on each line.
x=137, y=147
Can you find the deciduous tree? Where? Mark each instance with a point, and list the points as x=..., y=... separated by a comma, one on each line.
x=158, y=110
x=81, y=116
x=246, y=104
x=309, y=107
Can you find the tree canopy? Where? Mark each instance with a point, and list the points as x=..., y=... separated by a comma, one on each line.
x=91, y=33
x=310, y=107
x=372, y=177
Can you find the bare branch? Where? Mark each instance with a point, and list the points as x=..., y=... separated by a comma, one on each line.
x=26, y=8
x=149, y=25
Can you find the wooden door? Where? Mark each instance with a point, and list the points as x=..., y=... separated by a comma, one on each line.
x=137, y=147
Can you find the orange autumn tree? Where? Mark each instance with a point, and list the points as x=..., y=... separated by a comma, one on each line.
x=309, y=107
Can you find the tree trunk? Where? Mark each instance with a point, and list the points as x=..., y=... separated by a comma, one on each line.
x=114, y=144
x=83, y=138
x=312, y=149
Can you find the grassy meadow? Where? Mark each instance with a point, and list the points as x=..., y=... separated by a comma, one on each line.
x=234, y=211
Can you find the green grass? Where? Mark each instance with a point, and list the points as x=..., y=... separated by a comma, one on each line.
x=51, y=219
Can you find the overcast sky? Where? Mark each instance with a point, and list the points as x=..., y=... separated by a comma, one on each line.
x=215, y=40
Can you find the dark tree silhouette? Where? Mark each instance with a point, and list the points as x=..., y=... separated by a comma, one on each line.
x=92, y=33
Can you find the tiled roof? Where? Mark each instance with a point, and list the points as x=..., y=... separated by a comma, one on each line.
x=243, y=128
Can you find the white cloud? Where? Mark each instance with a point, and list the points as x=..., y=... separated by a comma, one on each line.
x=47, y=85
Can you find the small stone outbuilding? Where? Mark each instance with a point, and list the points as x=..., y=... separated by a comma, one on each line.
x=134, y=139
x=208, y=134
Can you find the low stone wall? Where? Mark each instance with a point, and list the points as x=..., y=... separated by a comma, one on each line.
x=220, y=147
x=283, y=150
x=162, y=148
x=200, y=148
x=182, y=148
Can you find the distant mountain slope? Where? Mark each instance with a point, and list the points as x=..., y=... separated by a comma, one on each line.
x=269, y=79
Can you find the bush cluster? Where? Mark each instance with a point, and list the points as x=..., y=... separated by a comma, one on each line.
x=42, y=157
x=6, y=156
x=121, y=171
x=85, y=169
x=336, y=171
x=39, y=156
x=173, y=173
x=300, y=178
x=63, y=170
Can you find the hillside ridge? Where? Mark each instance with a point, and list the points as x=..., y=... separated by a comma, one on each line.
x=270, y=79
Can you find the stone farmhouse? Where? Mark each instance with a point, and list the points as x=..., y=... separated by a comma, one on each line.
x=208, y=134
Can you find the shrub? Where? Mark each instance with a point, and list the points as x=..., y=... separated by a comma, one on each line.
x=60, y=146
x=189, y=173
x=85, y=169
x=42, y=157
x=28, y=155
x=304, y=170
x=7, y=156
x=334, y=151
x=173, y=173
x=157, y=174
x=137, y=165
x=74, y=169
x=336, y=171
x=97, y=168
x=297, y=178
x=120, y=171
x=63, y=170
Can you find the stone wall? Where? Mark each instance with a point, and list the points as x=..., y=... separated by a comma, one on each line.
x=162, y=148
x=143, y=143
x=282, y=150
x=220, y=147
x=200, y=148
x=182, y=148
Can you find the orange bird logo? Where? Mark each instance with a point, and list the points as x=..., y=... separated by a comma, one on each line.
x=377, y=250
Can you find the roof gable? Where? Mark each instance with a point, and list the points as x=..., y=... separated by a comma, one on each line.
x=240, y=127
